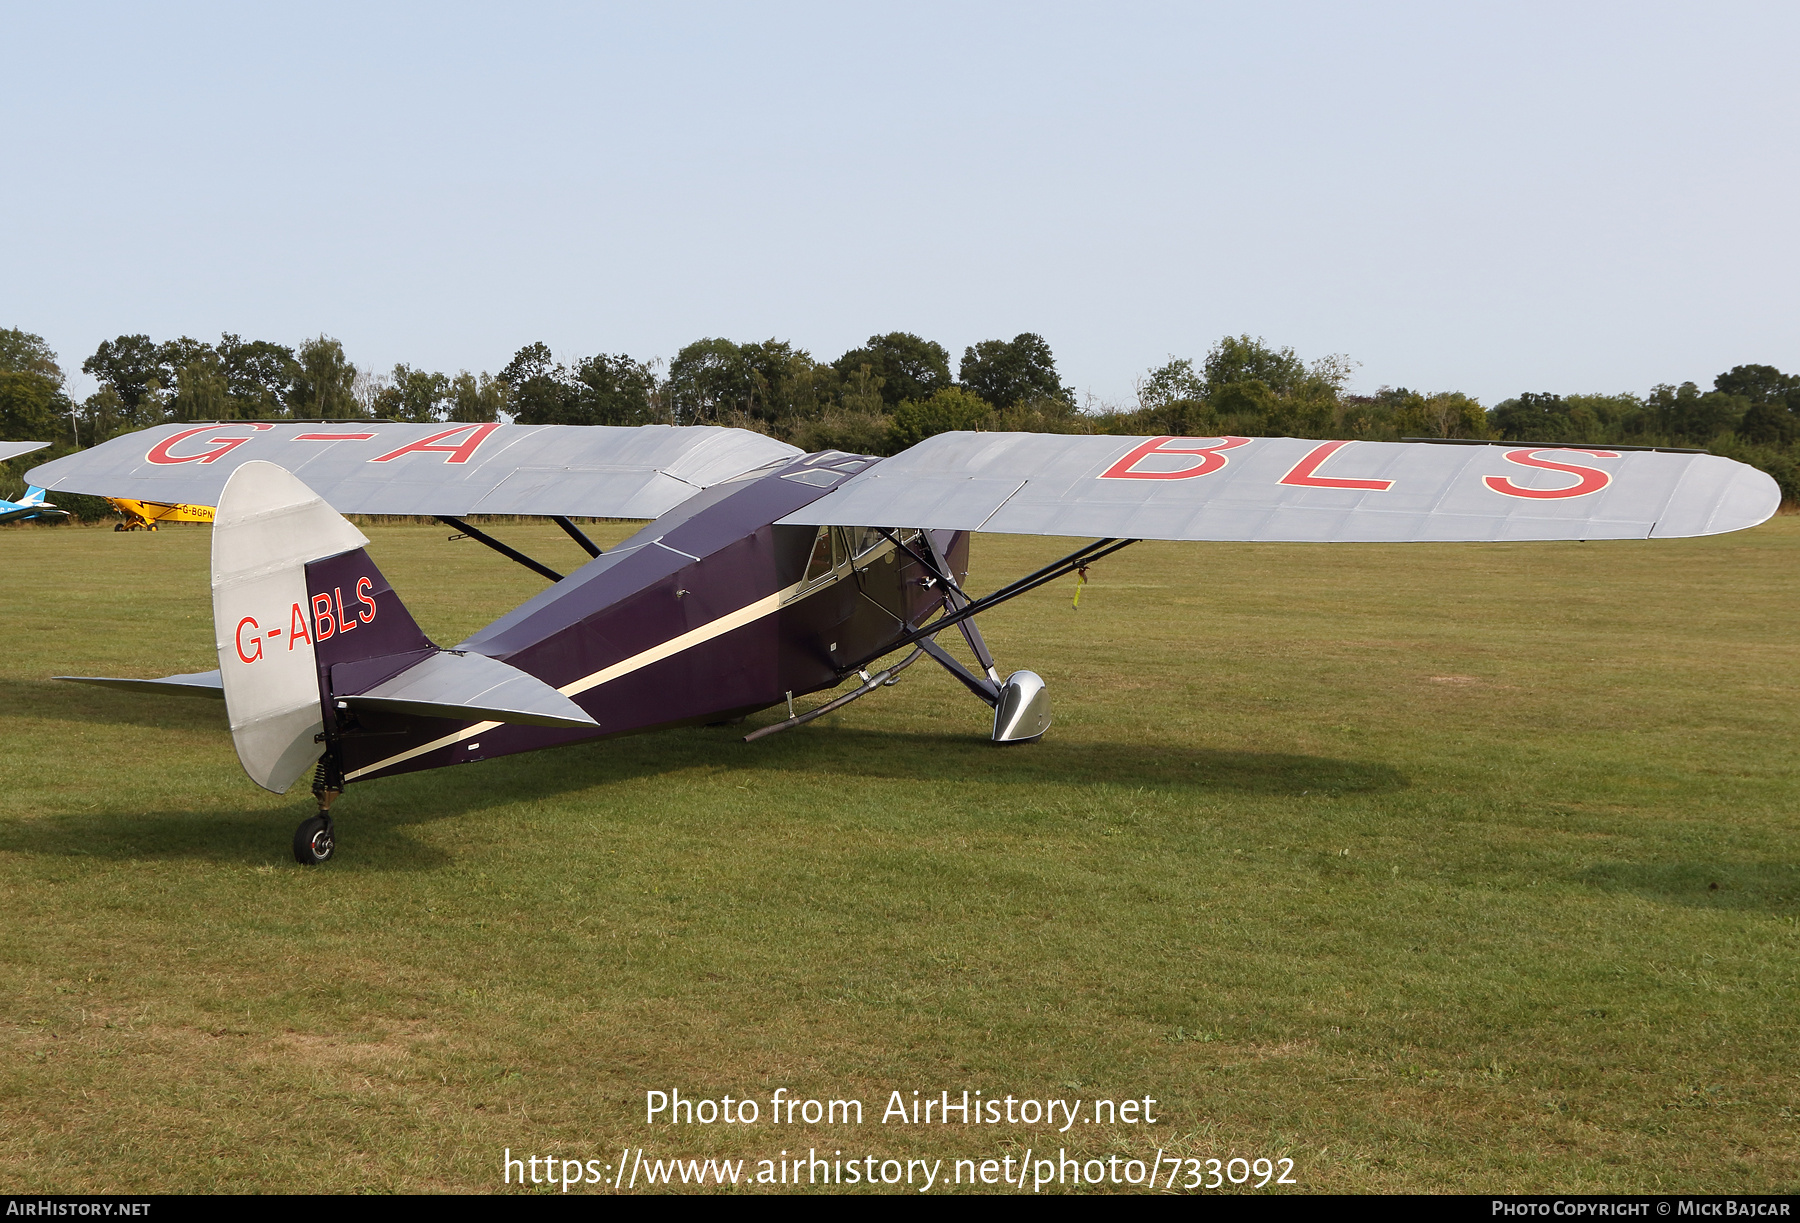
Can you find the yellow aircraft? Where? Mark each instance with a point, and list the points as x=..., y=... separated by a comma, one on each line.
x=144, y=515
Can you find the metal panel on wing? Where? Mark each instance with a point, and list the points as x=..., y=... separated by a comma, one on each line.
x=961, y=503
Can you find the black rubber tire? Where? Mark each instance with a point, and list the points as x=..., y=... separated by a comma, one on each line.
x=313, y=843
x=118, y=526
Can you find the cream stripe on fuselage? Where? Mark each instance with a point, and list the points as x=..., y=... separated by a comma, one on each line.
x=656, y=653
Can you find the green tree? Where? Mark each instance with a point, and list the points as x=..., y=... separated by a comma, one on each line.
x=850, y=430
x=1607, y=417
x=476, y=398
x=1242, y=402
x=21, y=352
x=784, y=384
x=1312, y=412
x=103, y=415
x=415, y=395
x=1684, y=415
x=1006, y=372
x=1237, y=359
x=1171, y=383
x=32, y=408
x=1758, y=384
x=148, y=380
x=201, y=389
x=614, y=390
x=130, y=365
x=599, y=390
x=1171, y=399
x=906, y=366
x=259, y=376
x=1772, y=417
x=710, y=381
x=172, y=355
x=538, y=387
x=950, y=409
x=324, y=382
x=1454, y=414
x=1768, y=424
x=860, y=391
x=1535, y=417
x=32, y=404
x=1413, y=414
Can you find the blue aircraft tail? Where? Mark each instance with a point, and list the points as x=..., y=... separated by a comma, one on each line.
x=31, y=505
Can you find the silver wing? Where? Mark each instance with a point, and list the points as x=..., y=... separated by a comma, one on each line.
x=12, y=450
x=1290, y=489
x=451, y=469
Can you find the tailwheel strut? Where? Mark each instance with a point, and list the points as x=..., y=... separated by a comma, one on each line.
x=316, y=838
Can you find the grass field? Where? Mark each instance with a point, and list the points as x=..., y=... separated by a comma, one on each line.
x=1429, y=867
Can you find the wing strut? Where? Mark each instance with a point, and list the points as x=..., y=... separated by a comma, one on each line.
x=971, y=634
x=575, y=533
x=1049, y=573
x=509, y=553
x=955, y=598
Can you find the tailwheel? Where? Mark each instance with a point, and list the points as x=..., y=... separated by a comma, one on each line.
x=313, y=841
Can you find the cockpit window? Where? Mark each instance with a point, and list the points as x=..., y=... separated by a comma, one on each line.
x=822, y=562
x=864, y=540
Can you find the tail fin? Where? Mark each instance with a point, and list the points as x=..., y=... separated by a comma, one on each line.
x=268, y=529
x=372, y=655
x=306, y=623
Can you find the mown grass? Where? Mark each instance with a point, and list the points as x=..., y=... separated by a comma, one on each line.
x=1434, y=868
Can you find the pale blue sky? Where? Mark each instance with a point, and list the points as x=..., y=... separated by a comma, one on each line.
x=1491, y=198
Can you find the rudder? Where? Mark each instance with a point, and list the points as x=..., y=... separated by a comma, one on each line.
x=268, y=529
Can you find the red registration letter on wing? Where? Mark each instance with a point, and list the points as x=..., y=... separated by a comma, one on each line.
x=1588, y=479
x=1301, y=473
x=459, y=452
x=163, y=452
x=1212, y=457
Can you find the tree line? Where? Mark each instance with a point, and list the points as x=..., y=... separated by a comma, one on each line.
x=878, y=398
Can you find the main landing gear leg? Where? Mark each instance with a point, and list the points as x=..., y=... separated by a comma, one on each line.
x=315, y=839
x=1021, y=704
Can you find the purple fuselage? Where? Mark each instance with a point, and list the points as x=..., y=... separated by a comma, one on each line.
x=709, y=613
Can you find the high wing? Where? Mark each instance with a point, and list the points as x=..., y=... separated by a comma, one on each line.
x=1294, y=490
x=12, y=450
x=360, y=467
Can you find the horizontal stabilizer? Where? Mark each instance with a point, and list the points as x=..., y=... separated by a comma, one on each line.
x=471, y=687
x=197, y=683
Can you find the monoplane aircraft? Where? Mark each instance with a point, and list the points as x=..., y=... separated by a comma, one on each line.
x=32, y=504
x=765, y=574
x=146, y=515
